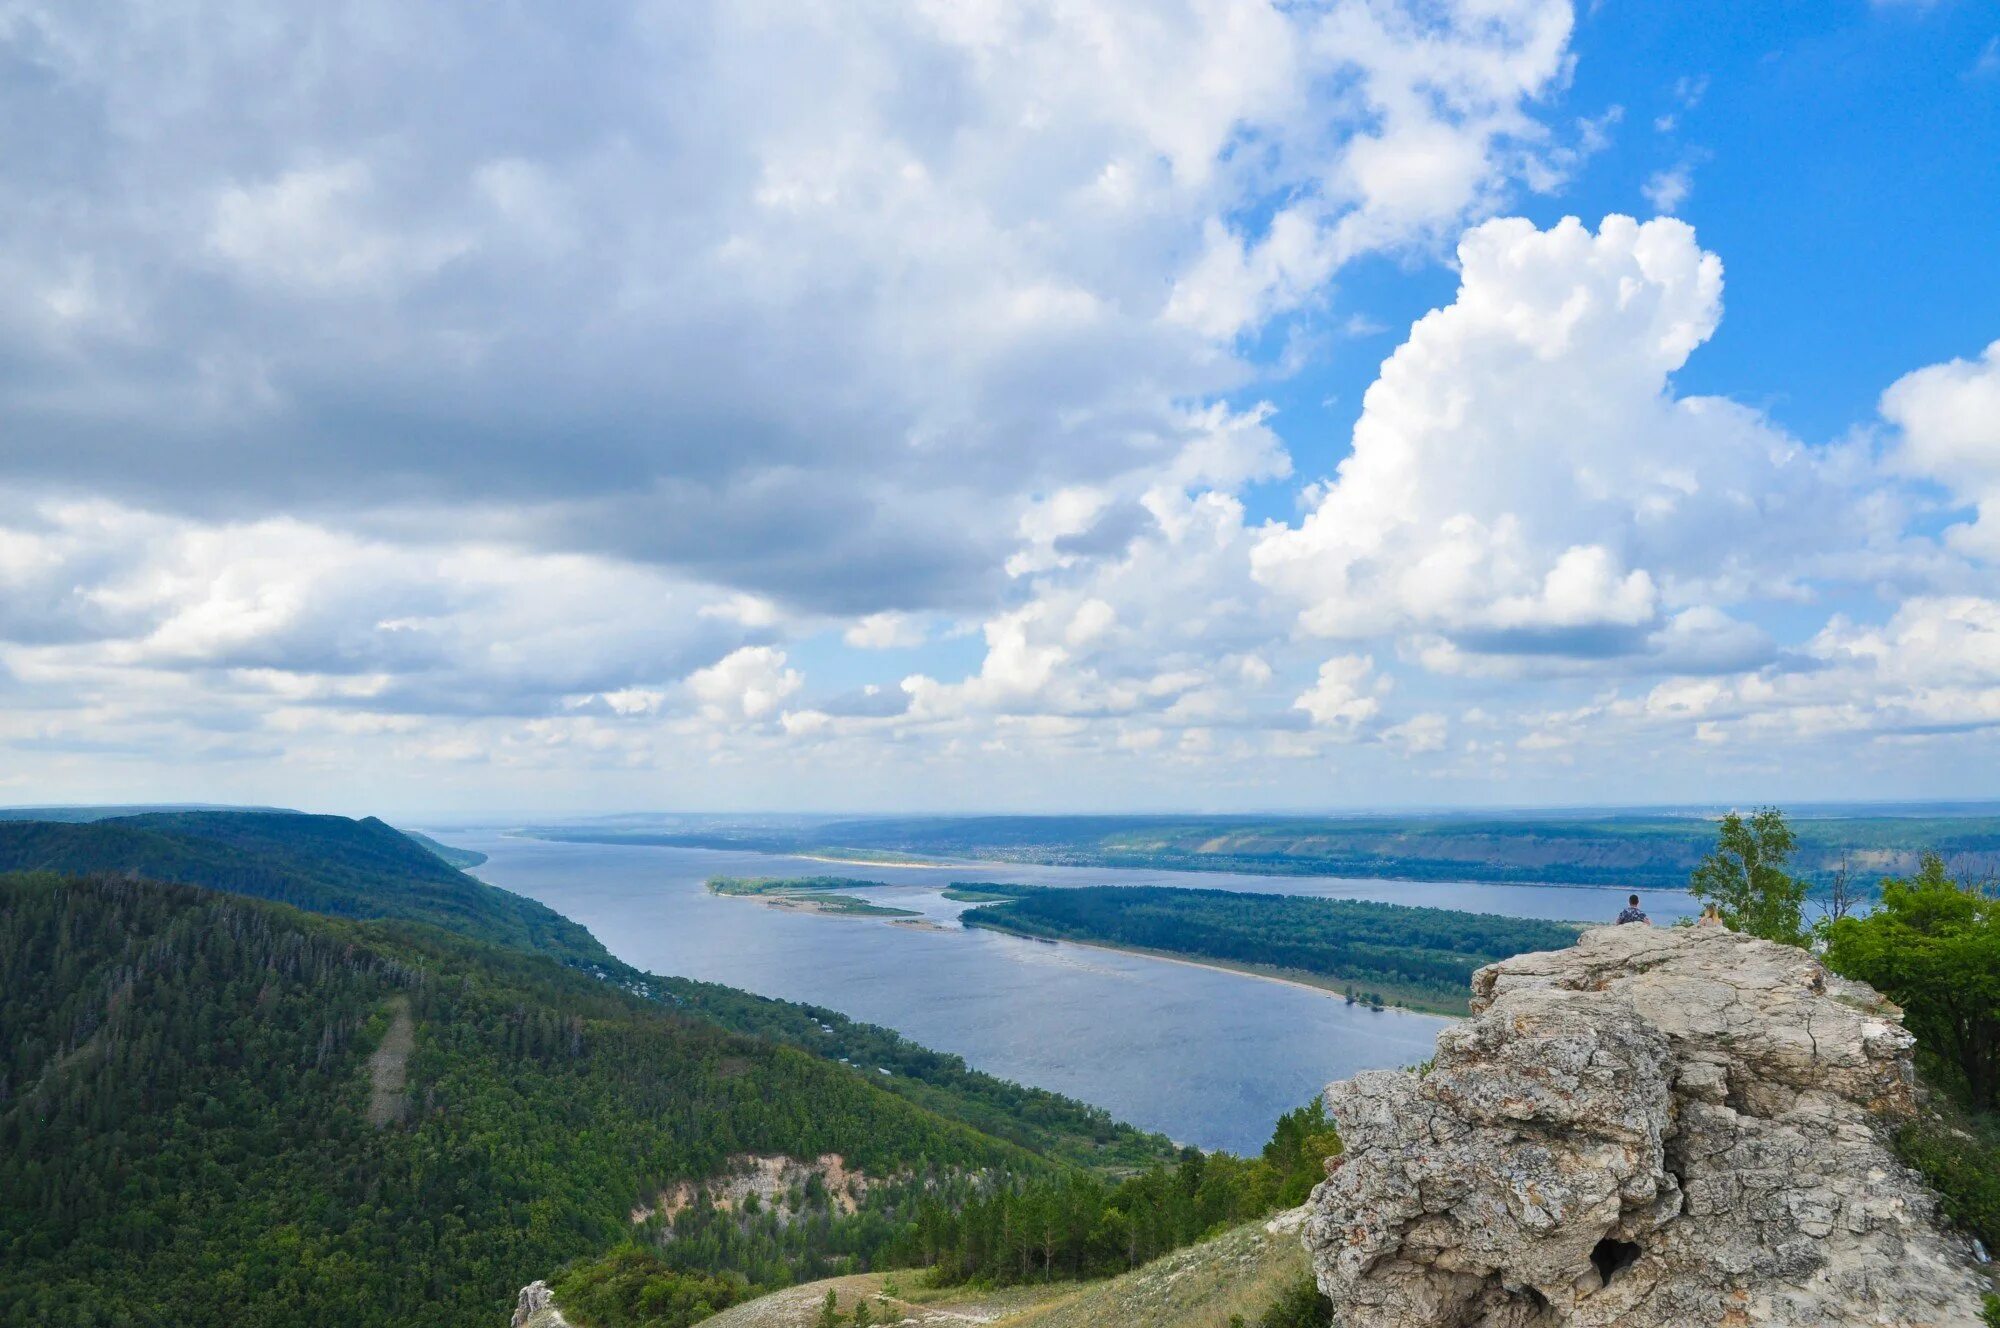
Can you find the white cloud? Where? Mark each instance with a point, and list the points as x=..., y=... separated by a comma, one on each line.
x=749, y=683
x=885, y=631
x=100, y=601
x=819, y=327
x=1419, y=734
x=1445, y=88
x=1667, y=189
x=1524, y=483
x=1343, y=697
x=310, y=228
x=345, y=414
x=1949, y=415
x=1933, y=668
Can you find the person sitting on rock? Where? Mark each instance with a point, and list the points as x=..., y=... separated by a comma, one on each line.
x=1632, y=912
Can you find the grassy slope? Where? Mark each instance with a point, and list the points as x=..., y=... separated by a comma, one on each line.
x=1241, y=1271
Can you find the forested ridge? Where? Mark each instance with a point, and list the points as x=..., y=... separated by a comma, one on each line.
x=182, y=1113
x=1419, y=955
x=364, y=869
x=324, y=864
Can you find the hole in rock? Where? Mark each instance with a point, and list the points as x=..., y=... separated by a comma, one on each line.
x=1612, y=1257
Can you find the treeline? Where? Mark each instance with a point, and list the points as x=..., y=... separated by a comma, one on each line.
x=1419, y=955
x=1079, y=1226
x=183, y=1130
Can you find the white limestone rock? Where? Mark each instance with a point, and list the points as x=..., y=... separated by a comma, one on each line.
x=536, y=1308
x=1656, y=1128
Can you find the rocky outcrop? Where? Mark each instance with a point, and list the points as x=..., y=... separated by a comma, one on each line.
x=536, y=1308
x=775, y=1181
x=1657, y=1128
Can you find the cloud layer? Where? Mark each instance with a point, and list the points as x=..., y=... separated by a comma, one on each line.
x=744, y=403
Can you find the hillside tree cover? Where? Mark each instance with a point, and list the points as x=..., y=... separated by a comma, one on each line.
x=365, y=869
x=1933, y=947
x=183, y=1132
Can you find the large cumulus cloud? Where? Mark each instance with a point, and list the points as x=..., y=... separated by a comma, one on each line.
x=1524, y=480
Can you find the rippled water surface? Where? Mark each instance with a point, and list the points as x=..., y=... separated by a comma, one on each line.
x=1210, y=1058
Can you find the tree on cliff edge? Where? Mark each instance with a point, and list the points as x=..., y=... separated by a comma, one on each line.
x=1744, y=876
x=1933, y=947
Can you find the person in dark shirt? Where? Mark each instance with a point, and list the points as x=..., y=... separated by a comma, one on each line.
x=1632, y=912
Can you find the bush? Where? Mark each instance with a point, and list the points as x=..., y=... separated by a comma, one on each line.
x=1963, y=1167
x=1301, y=1306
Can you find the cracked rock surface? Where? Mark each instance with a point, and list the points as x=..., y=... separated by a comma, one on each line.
x=1657, y=1126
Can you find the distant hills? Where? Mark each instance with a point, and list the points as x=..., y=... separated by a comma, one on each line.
x=1637, y=849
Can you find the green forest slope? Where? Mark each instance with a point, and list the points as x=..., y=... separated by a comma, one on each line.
x=365, y=869
x=184, y=1097
x=187, y=1085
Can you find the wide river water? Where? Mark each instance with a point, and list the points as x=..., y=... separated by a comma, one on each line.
x=1204, y=1056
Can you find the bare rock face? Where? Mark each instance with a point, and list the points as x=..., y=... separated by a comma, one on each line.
x=1669, y=1127
x=536, y=1308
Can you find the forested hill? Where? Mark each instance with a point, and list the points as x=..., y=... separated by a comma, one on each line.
x=365, y=869
x=186, y=1095
x=325, y=864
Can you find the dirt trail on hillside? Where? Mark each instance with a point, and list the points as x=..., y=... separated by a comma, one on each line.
x=388, y=1068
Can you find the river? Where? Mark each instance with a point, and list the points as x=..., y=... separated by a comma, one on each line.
x=1204, y=1056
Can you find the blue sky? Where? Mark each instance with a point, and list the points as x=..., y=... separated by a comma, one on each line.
x=1844, y=161
x=1087, y=406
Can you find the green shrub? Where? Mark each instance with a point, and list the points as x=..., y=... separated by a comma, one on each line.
x=1301, y=1306
x=1963, y=1168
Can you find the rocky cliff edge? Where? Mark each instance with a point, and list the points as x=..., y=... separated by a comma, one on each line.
x=1669, y=1127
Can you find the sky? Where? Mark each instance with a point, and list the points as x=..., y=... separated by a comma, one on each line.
x=1039, y=405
